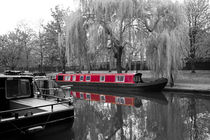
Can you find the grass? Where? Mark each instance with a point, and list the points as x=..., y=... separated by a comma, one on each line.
x=200, y=77
x=185, y=76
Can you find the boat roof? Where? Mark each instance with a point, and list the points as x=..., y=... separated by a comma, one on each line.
x=96, y=73
x=15, y=76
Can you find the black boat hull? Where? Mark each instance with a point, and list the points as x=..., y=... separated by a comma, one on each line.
x=33, y=123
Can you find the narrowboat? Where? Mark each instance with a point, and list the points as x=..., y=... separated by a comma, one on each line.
x=132, y=82
x=118, y=98
x=24, y=111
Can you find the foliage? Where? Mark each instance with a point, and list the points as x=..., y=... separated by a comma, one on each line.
x=40, y=50
x=166, y=42
x=76, y=39
x=54, y=30
x=26, y=35
x=198, y=16
x=108, y=22
x=16, y=48
x=121, y=31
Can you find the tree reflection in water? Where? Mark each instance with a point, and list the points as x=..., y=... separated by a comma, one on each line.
x=183, y=118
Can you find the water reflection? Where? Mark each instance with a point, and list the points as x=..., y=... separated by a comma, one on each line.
x=160, y=116
x=191, y=116
x=101, y=118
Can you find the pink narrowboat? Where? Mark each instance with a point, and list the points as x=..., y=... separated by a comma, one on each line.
x=132, y=82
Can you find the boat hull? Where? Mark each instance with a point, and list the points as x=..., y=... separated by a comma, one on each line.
x=33, y=123
x=153, y=86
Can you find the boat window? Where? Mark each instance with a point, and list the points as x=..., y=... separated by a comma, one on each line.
x=102, y=97
x=81, y=78
x=81, y=96
x=18, y=88
x=117, y=100
x=74, y=78
x=102, y=78
x=120, y=78
x=122, y=100
x=88, y=78
x=88, y=96
x=60, y=77
x=67, y=78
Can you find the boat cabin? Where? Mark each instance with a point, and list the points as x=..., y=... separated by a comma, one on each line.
x=101, y=78
x=14, y=87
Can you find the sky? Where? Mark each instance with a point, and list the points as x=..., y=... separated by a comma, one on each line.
x=31, y=12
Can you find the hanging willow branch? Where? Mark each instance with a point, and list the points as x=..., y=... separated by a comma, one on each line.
x=164, y=48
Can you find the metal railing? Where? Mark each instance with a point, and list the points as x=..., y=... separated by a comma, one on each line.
x=67, y=101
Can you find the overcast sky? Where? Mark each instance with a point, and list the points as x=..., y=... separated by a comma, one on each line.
x=32, y=12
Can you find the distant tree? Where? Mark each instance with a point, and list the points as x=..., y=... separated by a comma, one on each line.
x=54, y=32
x=3, y=46
x=11, y=50
x=206, y=47
x=198, y=16
x=26, y=39
x=39, y=50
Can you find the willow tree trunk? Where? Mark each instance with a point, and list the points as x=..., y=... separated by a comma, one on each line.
x=80, y=65
x=63, y=65
x=110, y=66
x=63, y=59
x=119, y=57
x=87, y=59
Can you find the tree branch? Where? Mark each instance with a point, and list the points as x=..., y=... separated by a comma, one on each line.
x=127, y=25
x=154, y=26
x=109, y=32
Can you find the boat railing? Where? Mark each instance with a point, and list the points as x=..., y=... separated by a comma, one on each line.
x=48, y=90
x=59, y=101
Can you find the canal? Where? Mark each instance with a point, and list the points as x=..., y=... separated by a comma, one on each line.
x=133, y=116
x=154, y=116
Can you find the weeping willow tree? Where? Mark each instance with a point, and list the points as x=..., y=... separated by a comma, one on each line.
x=108, y=22
x=166, y=41
x=76, y=39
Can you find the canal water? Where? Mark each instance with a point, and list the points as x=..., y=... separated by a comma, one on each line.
x=158, y=116
x=134, y=116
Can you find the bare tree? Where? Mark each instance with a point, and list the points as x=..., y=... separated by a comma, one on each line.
x=198, y=15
